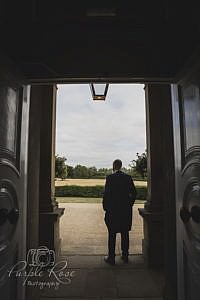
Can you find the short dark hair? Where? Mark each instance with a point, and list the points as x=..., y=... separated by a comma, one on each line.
x=117, y=164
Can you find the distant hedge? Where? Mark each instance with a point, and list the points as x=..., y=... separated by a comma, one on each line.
x=91, y=191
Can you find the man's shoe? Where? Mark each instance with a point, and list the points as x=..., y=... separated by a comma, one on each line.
x=124, y=258
x=109, y=260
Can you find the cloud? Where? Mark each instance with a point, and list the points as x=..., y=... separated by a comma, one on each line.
x=95, y=133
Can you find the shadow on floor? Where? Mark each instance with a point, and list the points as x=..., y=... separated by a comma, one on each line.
x=89, y=277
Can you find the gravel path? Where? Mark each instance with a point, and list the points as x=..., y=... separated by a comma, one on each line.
x=83, y=230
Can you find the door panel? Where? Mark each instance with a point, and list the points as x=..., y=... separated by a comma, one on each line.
x=186, y=118
x=14, y=103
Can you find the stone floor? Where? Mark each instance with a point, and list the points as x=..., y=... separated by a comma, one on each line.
x=84, y=243
x=94, y=279
x=83, y=230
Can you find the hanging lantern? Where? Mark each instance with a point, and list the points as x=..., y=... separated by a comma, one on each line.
x=99, y=91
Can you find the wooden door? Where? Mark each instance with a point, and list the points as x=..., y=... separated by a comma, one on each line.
x=14, y=104
x=186, y=122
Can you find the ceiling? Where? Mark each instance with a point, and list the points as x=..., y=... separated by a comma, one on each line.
x=63, y=41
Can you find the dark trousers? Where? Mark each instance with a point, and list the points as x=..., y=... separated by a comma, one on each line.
x=112, y=242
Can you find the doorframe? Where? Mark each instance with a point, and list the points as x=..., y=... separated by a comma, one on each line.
x=36, y=187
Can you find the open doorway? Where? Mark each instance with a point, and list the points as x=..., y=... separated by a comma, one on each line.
x=90, y=135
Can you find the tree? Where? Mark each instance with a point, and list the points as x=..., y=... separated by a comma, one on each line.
x=140, y=164
x=81, y=172
x=70, y=172
x=103, y=172
x=60, y=167
x=92, y=172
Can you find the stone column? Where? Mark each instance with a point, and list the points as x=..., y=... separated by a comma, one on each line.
x=33, y=192
x=49, y=212
x=158, y=98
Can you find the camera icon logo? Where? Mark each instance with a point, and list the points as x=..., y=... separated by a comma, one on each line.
x=41, y=257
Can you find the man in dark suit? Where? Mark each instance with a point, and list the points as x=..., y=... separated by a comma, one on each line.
x=119, y=197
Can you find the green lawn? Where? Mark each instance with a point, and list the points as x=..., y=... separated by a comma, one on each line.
x=85, y=200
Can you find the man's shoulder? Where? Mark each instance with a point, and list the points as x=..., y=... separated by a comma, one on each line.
x=128, y=177
x=109, y=176
x=120, y=173
x=125, y=175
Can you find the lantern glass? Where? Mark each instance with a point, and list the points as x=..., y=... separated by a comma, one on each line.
x=99, y=90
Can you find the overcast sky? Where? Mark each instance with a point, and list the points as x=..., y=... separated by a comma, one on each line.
x=94, y=133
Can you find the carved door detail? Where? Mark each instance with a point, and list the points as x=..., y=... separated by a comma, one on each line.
x=186, y=110
x=14, y=103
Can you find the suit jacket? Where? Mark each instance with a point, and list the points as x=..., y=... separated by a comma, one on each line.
x=119, y=197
